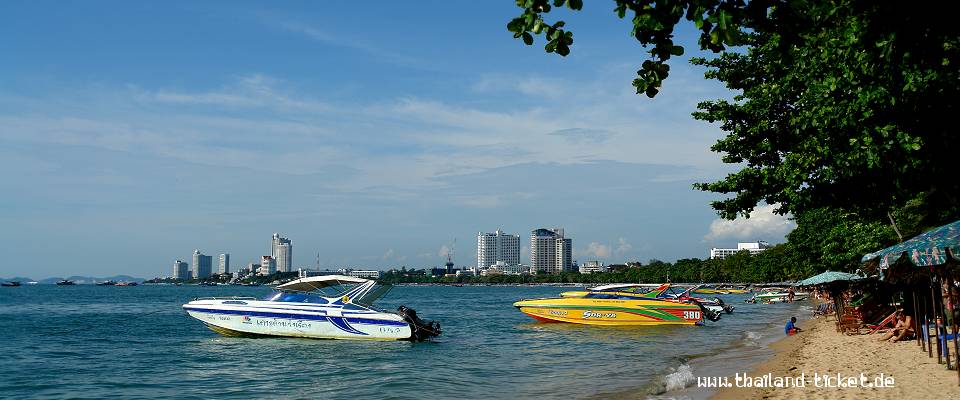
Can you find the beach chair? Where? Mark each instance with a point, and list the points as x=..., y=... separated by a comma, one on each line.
x=889, y=322
x=850, y=322
x=823, y=309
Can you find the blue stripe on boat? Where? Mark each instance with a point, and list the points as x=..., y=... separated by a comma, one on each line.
x=365, y=321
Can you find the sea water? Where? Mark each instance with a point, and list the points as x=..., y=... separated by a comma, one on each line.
x=136, y=342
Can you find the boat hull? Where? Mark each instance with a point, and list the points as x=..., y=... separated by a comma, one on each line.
x=265, y=319
x=721, y=291
x=610, y=312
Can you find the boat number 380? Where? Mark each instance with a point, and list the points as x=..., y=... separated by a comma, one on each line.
x=691, y=315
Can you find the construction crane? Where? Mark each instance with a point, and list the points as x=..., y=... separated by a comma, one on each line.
x=450, y=256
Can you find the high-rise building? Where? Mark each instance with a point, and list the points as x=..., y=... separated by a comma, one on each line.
x=268, y=266
x=202, y=265
x=282, y=252
x=224, y=263
x=497, y=247
x=550, y=251
x=181, y=270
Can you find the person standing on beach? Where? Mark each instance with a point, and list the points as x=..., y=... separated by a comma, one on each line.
x=791, y=327
x=790, y=295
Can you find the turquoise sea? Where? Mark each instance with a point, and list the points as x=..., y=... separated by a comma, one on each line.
x=135, y=342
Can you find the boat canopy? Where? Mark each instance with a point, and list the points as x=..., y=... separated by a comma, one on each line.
x=364, y=293
x=318, y=282
x=625, y=286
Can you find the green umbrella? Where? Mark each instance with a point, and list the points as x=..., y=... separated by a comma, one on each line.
x=827, y=277
x=928, y=249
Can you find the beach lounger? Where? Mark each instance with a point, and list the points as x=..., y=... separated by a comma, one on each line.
x=889, y=322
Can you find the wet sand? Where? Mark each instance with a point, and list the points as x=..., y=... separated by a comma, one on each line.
x=821, y=350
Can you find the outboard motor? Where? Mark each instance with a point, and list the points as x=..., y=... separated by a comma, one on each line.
x=420, y=330
x=712, y=316
x=726, y=307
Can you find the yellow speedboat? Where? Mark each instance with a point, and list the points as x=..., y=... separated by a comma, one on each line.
x=617, y=305
x=721, y=290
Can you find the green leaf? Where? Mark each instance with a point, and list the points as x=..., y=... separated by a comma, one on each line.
x=676, y=50
x=527, y=38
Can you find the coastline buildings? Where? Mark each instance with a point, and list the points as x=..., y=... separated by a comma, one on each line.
x=497, y=247
x=589, y=267
x=224, y=263
x=550, y=251
x=282, y=252
x=753, y=247
x=268, y=266
x=202, y=265
x=181, y=270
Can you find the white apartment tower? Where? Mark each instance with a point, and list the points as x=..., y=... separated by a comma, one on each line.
x=550, y=251
x=202, y=265
x=497, y=247
x=224, y=263
x=282, y=252
x=181, y=270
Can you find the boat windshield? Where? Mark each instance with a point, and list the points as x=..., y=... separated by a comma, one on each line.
x=292, y=297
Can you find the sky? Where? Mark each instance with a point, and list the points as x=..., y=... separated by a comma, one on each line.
x=378, y=135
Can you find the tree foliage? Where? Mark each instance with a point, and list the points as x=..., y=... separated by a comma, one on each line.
x=841, y=103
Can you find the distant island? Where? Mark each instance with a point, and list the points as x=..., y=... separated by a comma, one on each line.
x=80, y=280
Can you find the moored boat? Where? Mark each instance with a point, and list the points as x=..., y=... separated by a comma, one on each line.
x=65, y=282
x=776, y=295
x=10, y=283
x=313, y=308
x=617, y=305
x=107, y=283
x=721, y=290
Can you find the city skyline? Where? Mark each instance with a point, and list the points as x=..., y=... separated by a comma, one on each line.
x=366, y=149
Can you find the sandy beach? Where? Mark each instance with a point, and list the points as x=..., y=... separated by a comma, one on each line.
x=820, y=351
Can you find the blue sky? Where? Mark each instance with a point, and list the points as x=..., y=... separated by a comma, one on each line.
x=132, y=133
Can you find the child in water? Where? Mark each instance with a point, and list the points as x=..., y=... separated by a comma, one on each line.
x=791, y=327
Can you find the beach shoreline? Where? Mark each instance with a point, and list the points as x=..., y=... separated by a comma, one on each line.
x=832, y=365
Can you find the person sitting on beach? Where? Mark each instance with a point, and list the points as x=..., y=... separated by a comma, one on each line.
x=791, y=327
x=903, y=328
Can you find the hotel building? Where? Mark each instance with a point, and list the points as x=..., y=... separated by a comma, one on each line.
x=202, y=265
x=550, y=251
x=181, y=270
x=224, y=263
x=282, y=252
x=753, y=247
x=497, y=247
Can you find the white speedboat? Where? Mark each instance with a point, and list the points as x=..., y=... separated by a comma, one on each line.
x=306, y=308
x=776, y=295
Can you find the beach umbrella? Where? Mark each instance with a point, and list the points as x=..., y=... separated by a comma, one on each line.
x=827, y=277
x=938, y=250
x=931, y=248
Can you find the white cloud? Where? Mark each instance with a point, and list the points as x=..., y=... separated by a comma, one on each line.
x=346, y=41
x=387, y=255
x=763, y=224
x=597, y=250
x=444, y=251
x=479, y=201
x=623, y=247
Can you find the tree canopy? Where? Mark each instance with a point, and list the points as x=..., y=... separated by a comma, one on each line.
x=845, y=104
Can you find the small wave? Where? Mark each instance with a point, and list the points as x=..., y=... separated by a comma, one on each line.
x=677, y=379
